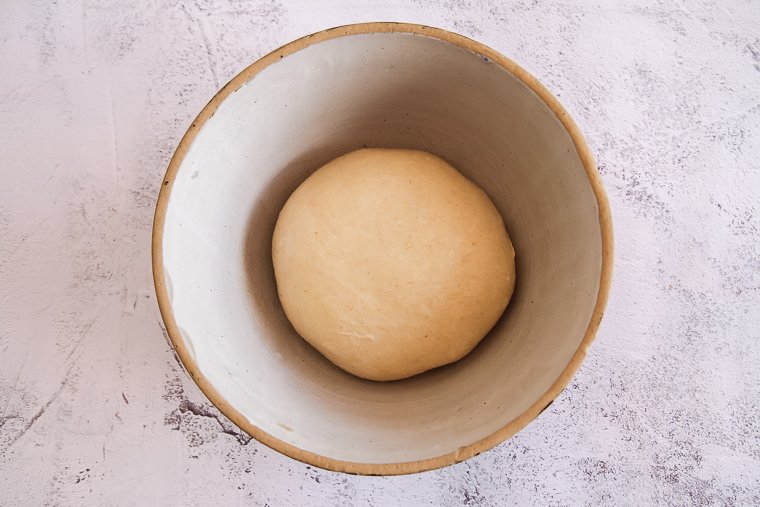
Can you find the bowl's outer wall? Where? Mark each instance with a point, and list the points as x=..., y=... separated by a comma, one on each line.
x=389, y=85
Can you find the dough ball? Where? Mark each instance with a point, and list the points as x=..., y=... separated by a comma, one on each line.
x=390, y=262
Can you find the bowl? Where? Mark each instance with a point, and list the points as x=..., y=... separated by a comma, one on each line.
x=378, y=85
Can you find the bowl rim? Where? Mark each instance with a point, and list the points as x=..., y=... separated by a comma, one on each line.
x=465, y=452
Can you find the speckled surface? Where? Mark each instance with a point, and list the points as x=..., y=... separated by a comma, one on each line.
x=94, y=408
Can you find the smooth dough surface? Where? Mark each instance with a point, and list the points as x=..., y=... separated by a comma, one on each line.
x=390, y=262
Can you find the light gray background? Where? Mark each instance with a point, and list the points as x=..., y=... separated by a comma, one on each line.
x=94, y=410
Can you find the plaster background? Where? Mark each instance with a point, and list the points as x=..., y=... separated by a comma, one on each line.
x=95, y=410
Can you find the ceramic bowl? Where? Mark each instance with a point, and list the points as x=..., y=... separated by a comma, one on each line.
x=378, y=85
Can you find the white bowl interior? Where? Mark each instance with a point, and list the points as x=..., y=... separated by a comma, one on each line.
x=398, y=90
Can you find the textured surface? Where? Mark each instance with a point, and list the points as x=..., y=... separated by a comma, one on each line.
x=93, y=406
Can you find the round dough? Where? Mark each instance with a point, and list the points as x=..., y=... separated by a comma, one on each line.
x=390, y=262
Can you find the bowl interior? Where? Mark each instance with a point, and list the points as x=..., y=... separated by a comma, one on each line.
x=393, y=89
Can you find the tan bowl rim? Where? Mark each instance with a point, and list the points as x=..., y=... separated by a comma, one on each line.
x=463, y=453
